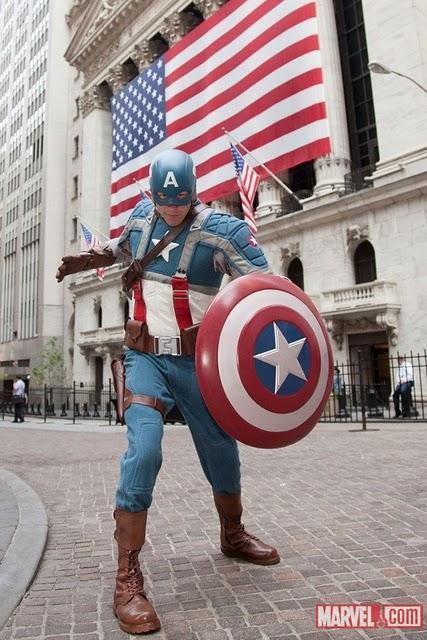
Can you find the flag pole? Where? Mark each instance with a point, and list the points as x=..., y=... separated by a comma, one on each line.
x=99, y=235
x=142, y=191
x=282, y=184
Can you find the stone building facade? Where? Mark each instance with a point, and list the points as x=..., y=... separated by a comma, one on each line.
x=355, y=243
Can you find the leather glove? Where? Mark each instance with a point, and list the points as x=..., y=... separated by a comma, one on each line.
x=93, y=259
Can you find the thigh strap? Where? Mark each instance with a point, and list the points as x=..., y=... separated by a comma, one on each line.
x=148, y=401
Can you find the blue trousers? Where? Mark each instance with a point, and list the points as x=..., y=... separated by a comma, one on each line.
x=173, y=380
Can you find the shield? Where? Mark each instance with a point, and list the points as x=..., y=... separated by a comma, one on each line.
x=264, y=361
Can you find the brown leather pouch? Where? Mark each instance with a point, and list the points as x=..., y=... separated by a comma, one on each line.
x=188, y=339
x=118, y=371
x=136, y=335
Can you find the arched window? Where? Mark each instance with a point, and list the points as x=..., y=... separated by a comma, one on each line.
x=365, y=269
x=100, y=316
x=296, y=273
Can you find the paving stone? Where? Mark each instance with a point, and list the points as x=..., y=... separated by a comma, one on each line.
x=347, y=530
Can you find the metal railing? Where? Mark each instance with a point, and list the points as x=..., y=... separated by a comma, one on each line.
x=77, y=402
x=368, y=389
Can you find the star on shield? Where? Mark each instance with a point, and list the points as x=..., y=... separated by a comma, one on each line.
x=284, y=357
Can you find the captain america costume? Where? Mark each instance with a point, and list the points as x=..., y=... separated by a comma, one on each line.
x=181, y=250
x=213, y=244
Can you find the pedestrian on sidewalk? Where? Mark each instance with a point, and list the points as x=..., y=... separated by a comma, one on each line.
x=404, y=384
x=18, y=399
x=172, y=291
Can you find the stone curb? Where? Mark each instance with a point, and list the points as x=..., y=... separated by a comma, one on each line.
x=22, y=557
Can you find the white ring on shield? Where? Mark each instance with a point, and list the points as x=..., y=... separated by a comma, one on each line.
x=236, y=393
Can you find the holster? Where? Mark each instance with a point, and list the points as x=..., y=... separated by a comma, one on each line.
x=119, y=378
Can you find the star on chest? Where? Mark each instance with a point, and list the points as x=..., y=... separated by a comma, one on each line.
x=166, y=251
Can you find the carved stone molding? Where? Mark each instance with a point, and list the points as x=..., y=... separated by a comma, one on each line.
x=356, y=233
x=208, y=7
x=330, y=171
x=101, y=61
x=269, y=197
x=331, y=161
x=117, y=77
x=143, y=54
x=107, y=8
x=174, y=28
x=389, y=322
x=336, y=329
x=288, y=253
x=92, y=99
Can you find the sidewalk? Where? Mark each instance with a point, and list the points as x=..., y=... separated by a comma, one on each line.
x=346, y=510
x=23, y=532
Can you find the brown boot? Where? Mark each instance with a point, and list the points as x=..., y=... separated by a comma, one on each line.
x=235, y=541
x=131, y=607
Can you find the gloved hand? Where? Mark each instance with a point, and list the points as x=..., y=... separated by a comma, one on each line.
x=93, y=259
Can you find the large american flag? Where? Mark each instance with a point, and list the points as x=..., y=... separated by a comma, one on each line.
x=252, y=68
x=248, y=181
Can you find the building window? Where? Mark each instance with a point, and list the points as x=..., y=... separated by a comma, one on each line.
x=76, y=147
x=302, y=179
x=100, y=317
x=296, y=273
x=74, y=230
x=357, y=81
x=75, y=192
x=365, y=269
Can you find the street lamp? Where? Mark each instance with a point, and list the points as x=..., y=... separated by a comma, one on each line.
x=378, y=67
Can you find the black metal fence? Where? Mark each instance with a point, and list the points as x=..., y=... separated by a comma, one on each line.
x=75, y=403
x=366, y=388
x=72, y=402
x=372, y=389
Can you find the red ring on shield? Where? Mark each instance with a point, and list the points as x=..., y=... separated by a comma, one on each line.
x=224, y=413
x=246, y=361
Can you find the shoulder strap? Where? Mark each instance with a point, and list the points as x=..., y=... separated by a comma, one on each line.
x=136, y=269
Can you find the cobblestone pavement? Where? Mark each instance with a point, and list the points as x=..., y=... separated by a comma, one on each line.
x=346, y=510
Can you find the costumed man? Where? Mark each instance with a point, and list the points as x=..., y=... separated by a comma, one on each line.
x=172, y=292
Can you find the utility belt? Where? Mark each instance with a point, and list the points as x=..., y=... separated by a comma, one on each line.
x=138, y=338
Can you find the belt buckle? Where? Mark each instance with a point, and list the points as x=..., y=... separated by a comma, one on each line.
x=167, y=345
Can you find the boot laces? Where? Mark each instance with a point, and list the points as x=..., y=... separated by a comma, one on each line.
x=134, y=577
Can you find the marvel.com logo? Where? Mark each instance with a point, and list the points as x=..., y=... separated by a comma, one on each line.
x=369, y=615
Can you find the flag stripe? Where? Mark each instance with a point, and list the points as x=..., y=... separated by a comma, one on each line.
x=216, y=169
x=247, y=121
x=265, y=45
x=253, y=68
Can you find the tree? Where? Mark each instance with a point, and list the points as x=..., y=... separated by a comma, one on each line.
x=52, y=368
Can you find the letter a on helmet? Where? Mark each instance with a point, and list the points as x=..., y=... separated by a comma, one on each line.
x=172, y=174
x=264, y=361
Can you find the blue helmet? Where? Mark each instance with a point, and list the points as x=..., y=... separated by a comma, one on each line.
x=172, y=173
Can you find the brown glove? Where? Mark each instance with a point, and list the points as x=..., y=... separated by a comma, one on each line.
x=93, y=259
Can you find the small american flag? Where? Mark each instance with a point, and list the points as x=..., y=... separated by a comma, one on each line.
x=248, y=181
x=253, y=68
x=91, y=242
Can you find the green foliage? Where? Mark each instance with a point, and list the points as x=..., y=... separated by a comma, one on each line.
x=52, y=368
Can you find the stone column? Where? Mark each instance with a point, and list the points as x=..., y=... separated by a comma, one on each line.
x=330, y=169
x=208, y=7
x=143, y=55
x=96, y=159
x=173, y=28
x=269, y=198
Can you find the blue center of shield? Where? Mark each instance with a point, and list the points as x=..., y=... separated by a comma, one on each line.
x=282, y=358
